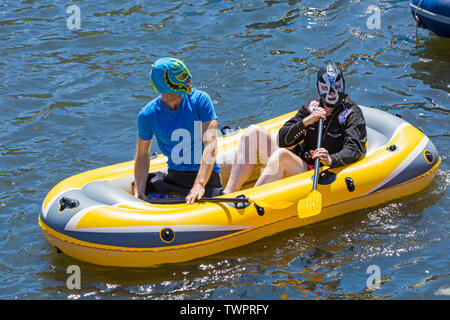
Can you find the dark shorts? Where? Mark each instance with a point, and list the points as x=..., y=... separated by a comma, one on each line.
x=179, y=183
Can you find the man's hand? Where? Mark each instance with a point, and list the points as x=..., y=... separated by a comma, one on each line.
x=318, y=113
x=196, y=193
x=323, y=156
x=140, y=196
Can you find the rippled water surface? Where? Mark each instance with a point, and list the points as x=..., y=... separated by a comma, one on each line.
x=69, y=101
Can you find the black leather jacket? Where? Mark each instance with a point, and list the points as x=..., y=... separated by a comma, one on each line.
x=344, y=133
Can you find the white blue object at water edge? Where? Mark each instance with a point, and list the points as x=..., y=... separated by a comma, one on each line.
x=433, y=15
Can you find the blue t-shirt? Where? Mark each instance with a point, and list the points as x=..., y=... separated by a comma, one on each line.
x=178, y=131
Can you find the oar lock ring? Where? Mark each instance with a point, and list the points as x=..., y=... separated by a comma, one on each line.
x=239, y=205
x=259, y=210
x=68, y=203
x=154, y=155
x=228, y=131
x=242, y=205
x=392, y=147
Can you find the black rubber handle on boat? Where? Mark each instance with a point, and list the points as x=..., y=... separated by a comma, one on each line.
x=205, y=199
x=317, y=163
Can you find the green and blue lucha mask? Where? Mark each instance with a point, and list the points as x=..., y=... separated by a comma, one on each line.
x=170, y=75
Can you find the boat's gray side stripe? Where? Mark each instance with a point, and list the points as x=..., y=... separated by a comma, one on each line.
x=405, y=163
x=176, y=228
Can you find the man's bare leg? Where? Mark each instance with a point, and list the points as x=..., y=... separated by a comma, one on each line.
x=281, y=163
x=256, y=141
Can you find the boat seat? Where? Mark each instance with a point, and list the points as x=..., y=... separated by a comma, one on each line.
x=107, y=193
x=375, y=140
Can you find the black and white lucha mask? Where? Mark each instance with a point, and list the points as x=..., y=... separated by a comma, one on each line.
x=331, y=85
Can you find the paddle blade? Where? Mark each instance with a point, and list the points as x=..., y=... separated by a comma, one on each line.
x=310, y=206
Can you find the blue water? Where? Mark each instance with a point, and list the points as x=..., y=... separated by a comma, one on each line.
x=69, y=101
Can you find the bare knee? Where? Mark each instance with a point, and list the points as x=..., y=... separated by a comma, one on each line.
x=282, y=156
x=283, y=160
x=278, y=160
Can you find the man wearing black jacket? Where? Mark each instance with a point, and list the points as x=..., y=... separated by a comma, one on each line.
x=344, y=135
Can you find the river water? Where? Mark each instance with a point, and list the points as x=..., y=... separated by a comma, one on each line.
x=69, y=99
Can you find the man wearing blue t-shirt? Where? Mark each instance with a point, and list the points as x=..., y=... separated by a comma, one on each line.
x=185, y=124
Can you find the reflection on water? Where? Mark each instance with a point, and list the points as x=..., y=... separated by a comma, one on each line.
x=433, y=59
x=69, y=101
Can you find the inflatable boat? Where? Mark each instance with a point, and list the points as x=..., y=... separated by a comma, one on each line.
x=93, y=217
x=433, y=15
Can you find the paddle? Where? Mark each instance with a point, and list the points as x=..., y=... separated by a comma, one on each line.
x=312, y=204
x=204, y=199
x=258, y=204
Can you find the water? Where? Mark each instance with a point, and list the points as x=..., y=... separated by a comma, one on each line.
x=69, y=101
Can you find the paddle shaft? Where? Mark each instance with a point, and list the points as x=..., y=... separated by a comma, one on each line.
x=317, y=163
x=205, y=199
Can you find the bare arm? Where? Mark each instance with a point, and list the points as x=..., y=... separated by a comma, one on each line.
x=209, y=137
x=141, y=167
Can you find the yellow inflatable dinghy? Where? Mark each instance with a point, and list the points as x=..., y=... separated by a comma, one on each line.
x=93, y=217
